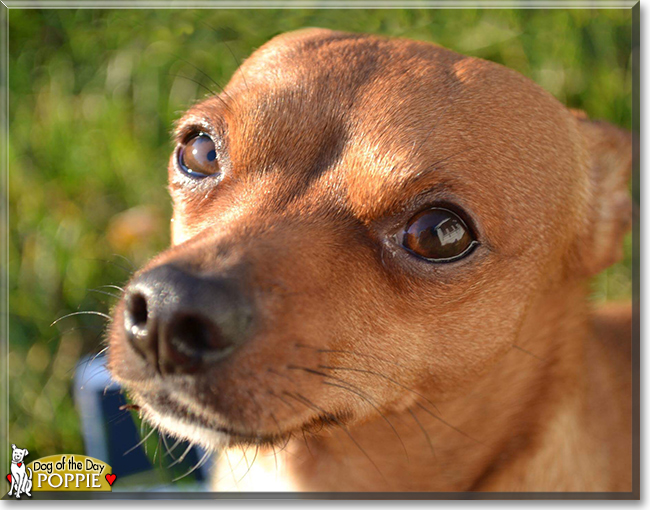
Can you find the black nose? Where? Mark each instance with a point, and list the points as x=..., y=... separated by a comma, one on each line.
x=180, y=322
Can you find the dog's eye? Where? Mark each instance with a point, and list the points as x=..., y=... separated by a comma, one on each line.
x=438, y=235
x=198, y=157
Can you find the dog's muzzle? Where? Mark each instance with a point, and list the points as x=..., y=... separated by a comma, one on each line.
x=181, y=322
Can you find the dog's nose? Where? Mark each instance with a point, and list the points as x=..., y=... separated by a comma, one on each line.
x=180, y=321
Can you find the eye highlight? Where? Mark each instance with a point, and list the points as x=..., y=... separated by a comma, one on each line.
x=438, y=235
x=198, y=156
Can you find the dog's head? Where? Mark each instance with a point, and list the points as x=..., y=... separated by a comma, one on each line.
x=18, y=454
x=358, y=217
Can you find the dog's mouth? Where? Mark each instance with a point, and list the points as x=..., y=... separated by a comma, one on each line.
x=192, y=386
x=184, y=419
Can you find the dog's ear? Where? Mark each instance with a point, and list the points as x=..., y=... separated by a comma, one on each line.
x=610, y=212
x=25, y=452
x=13, y=446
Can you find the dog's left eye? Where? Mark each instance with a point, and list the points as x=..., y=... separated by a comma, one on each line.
x=198, y=156
x=439, y=235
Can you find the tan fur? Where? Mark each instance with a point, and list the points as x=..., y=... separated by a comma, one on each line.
x=372, y=371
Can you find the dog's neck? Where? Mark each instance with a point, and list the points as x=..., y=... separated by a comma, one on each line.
x=512, y=412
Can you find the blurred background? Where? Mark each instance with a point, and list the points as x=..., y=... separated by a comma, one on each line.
x=93, y=97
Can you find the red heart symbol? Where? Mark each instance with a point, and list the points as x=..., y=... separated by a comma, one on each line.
x=20, y=464
x=110, y=479
x=9, y=478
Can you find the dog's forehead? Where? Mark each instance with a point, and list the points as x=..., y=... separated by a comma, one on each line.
x=382, y=119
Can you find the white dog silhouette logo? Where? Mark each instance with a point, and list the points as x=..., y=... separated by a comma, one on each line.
x=21, y=476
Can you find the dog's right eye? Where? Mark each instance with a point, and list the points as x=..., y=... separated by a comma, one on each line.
x=198, y=156
x=438, y=235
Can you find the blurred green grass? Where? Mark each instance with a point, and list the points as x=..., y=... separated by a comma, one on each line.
x=93, y=95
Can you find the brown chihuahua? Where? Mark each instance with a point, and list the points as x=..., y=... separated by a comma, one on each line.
x=378, y=278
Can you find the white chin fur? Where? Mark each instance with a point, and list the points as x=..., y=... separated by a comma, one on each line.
x=237, y=470
x=207, y=438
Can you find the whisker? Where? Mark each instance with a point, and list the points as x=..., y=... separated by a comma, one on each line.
x=275, y=457
x=361, y=393
x=182, y=457
x=289, y=436
x=257, y=449
x=89, y=364
x=304, y=436
x=112, y=263
x=237, y=62
x=155, y=452
x=212, y=92
x=271, y=371
x=383, y=376
x=311, y=371
x=424, y=431
x=450, y=425
x=243, y=76
x=433, y=166
x=255, y=402
x=529, y=353
x=328, y=376
x=210, y=78
x=142, y=425
x=106, y=388
x=129, y=262
x=232, y=472
x=399, y=438
x=140, y=442
x=167, y=449
x=333, y=418
x=116, y=287
x=160, y=457
x=88, y=360
x=281, y=399
x=84, y=312
x=283, y=448
x=243, y=452
x=199, y=70
x=98, y=329
x=118, y=418
x=83, y=384
x=198, y=465
x=110, y=294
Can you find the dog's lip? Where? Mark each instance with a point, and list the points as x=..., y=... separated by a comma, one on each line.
x=164, y=405
x=182, y=413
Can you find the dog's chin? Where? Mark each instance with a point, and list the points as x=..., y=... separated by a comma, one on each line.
x=183, y=419
x=183, y=427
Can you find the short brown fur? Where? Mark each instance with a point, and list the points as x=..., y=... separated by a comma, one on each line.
x=491, y=373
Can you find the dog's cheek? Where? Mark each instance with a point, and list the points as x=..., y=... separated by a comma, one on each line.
x=448, y=338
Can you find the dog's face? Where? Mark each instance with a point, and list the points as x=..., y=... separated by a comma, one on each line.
x=18, y=454
x=357, y=213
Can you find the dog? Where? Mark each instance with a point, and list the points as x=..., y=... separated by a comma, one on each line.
x=379, y=278
x=21, y=476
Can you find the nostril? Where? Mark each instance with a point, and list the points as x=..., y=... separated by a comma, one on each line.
x=195, y=336
x=140, y=328
x=180, y=322
x=137, y=311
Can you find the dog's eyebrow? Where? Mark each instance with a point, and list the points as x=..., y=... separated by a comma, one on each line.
x=431, y=174
x=208, y=115
x=190, y=123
